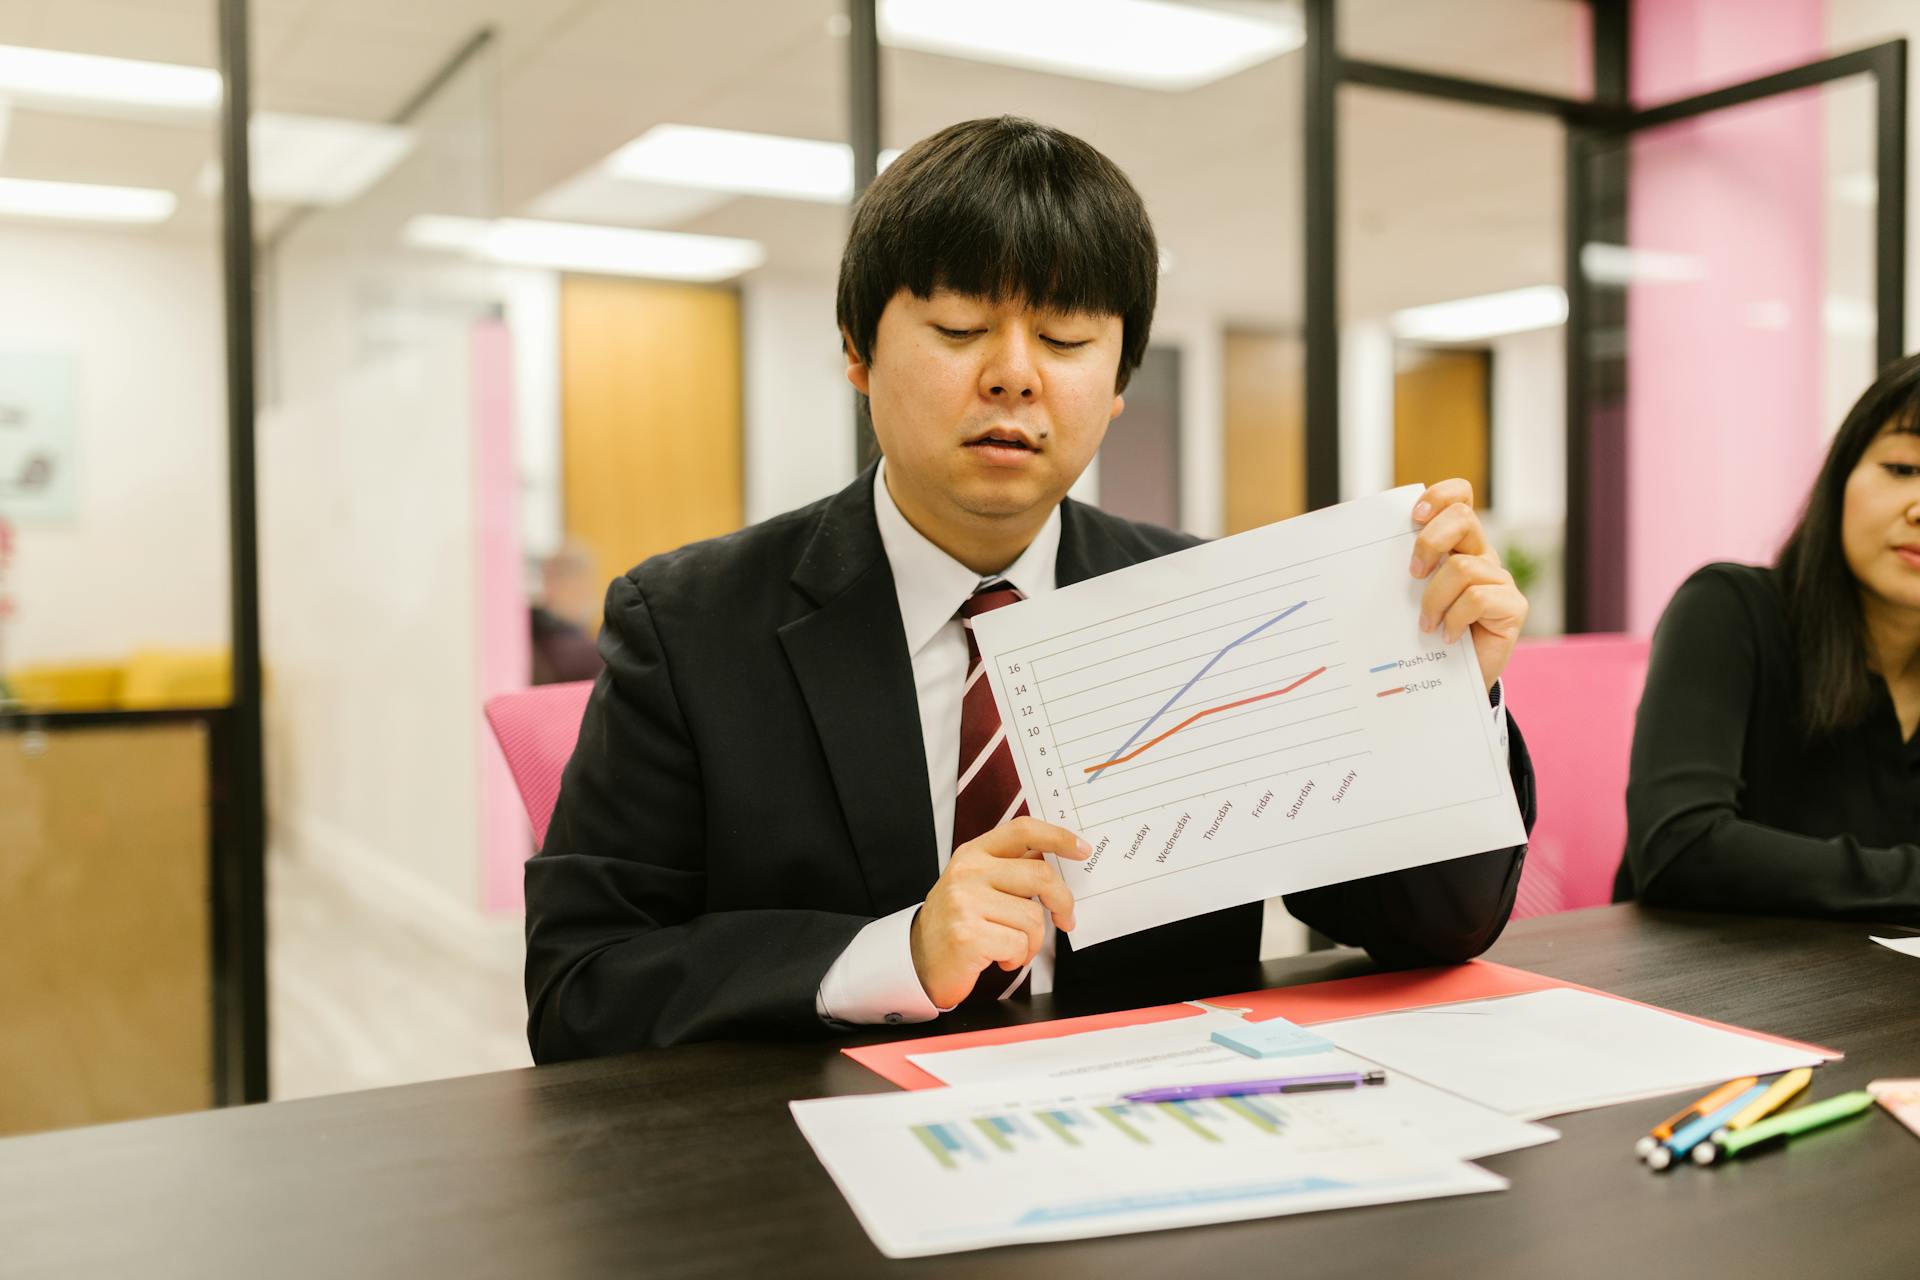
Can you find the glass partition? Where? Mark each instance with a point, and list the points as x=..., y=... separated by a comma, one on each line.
x=114, y=591
x=575, y=308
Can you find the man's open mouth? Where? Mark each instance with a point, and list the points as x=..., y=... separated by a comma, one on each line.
x=1000, y=439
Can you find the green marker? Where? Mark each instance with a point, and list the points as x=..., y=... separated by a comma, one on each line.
x=1777, y=1130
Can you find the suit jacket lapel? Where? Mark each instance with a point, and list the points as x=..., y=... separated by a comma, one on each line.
x=1086, y=549
x=850, y=657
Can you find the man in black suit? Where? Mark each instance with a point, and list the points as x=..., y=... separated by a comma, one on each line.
x=788, y=810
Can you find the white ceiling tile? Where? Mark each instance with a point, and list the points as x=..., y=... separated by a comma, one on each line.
x=155, y=32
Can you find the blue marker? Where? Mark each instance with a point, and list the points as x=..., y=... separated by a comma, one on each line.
x=1699, y=1129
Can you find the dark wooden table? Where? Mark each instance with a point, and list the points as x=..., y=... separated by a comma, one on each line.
x=685, y=1162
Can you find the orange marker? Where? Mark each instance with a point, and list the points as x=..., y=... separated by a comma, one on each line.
x=1712, y=1102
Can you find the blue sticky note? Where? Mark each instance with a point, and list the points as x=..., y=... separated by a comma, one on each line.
x=1274, y=1038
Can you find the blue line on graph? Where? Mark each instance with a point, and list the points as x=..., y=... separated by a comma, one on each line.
x=1189, y=684
x=1385, y=666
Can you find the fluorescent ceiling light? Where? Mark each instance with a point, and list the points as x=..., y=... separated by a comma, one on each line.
x=748, y=164
x=1857, y=189
x=83, y=202
x=47, y=76
x=1149, y=44
x=571, y=246
x=1616, y=264
x=1487, y=316
x=759, y=164
x=6, y=118
x=1850, y=317
x=315, y=160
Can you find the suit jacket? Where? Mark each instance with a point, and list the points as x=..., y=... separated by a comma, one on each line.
x=750, y=791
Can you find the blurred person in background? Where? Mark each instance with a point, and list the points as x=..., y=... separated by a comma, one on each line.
x=563, y=648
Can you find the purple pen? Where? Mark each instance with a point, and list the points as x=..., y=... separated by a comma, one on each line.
x=1280, y=1084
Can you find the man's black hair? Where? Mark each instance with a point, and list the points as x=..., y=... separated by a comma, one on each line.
x=998, y=209
x=1819, y=590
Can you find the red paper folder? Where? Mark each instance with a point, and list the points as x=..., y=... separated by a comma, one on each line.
x=1305, y=1005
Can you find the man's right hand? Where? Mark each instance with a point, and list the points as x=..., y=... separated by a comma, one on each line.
x=982, y=910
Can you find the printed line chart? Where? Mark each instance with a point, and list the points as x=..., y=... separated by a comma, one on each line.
x=1246, y=718
x=1241, y=682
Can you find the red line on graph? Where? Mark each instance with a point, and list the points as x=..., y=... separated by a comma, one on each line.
x=1201, y=715
x=1388, y=693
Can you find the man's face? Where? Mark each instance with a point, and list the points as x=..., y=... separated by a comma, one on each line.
x=987, y=412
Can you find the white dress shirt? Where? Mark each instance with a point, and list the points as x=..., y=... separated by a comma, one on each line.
x=874, y=980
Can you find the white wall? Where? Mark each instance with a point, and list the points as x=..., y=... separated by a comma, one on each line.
x=1529, y=506
x=368, y=610
x=532, y=304
x=799, y=406
x=1196, y=332
x=1852, y=24
x=143, y=561
x=1366, y=409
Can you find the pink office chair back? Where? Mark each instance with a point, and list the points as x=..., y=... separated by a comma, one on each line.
x=536, y=729
x=1575, y=700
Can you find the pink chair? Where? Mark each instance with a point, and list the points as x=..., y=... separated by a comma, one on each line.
x=536, y=729
x=1575, y=700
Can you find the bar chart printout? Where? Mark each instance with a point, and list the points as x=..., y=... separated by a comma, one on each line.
x=969, y=1167
x=1248, y=718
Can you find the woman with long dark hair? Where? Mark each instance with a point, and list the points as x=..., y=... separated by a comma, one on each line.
x=1775, y=764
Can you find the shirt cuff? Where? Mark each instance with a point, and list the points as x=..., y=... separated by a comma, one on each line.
x=873, y=980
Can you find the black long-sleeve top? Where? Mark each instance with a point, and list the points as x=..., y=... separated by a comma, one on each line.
x=1729, y=806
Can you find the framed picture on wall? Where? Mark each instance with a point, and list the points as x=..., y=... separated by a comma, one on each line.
x=37, y=447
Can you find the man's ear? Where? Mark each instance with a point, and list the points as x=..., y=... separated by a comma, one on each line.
x=857, y=372
x=1119, y=406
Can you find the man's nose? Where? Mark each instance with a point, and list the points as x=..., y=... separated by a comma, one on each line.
x=1010, y=371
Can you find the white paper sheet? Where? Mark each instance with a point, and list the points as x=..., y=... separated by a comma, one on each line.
x=1906, y=946
x=941, y=1170
x=1247, y=718
x=1159, y=1054
x=1551, y=1052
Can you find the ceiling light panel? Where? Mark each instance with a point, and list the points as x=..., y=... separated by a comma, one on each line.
x=1487, y=316
x=83, y=202
x=568, y=246
x=755, y=164
x=49, y=77
x=1149, y=44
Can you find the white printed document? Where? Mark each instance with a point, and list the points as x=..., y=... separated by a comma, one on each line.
x=941, y=1170
x=1247, y=718
x=1551, y=1052
x=1181, y=1051
x=1906, y=946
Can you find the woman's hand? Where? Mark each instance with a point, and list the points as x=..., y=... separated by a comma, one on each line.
x=1467, y=589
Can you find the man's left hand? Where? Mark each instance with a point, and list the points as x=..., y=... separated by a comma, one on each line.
x=1467, y=589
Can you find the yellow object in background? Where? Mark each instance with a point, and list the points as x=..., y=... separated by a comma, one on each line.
x=75, y=687
x=163, y=678
x=149, y=680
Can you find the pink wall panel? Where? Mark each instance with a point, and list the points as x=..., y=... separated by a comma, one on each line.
x=1723, y=397
x=504, y=644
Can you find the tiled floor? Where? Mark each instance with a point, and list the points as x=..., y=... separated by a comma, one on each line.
x=357, y=999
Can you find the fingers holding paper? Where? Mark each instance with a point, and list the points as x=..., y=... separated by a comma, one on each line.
x=1468, y=591
x=991, y=906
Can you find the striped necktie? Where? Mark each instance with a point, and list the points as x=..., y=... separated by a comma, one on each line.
x=989, y=791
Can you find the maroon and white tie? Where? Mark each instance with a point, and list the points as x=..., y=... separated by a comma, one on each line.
x=989, y=791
